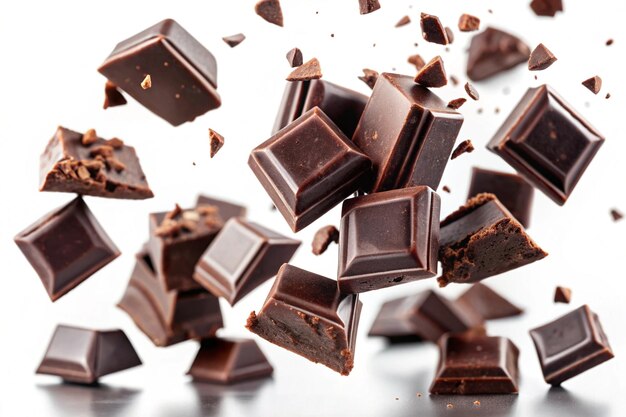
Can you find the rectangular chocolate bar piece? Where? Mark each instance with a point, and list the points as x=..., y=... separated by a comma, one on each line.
x=183, y=72
x=306, y=314
x=388, y=238
x=408, y=133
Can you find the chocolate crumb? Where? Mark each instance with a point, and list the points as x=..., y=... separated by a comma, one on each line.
x=468, y=23
x=270, y=11
x=562, y=295
x=609, y=42
x=540, y=58
x=323, y=238
x=446, y=189
x=479, y=111
x=417, y=61
x=594, y=84
x=464, y=147
x=369, y=77
x=616, y=215
x=112, y=96
x=368, y=6
x=147, y=82
x=89, y=137
x=471, y=91
x=310, y=70
x=608, y=96
x=496, y=110
x=456, y=103
x=234, y=40
x=405, y=20
x=294, y=57
x=547, y=8
x=454, y=80
x=432, y=29
x=432, y=74
x=216, y=142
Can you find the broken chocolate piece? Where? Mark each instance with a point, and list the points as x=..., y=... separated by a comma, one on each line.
x=471, y=91
x=147, y=82
x=369, y=77
x=456, y=103
x=594, y=84
x=323, y=238
x=433, y=74
x=270, y=11
x=541, y=58
x=405, y=20
x=464, y=147
x=616, y=215
x=368, y=6
x=433, y=30
x=112, y=96
x=417, y=60
x=562, y=295
x=494, y=51
x=450, y=36
x=234, y=40
x=487, y=303
x=546, y=7
x=294, y=57
x=446, y=189
x=308, y=71
x=468, y=23
x=216, y=142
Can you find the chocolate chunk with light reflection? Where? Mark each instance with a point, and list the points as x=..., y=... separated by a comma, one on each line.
x=432, y=29
x=562, y=295
x=487, y=303
x=494, y=51
x=234, y=40
x=216, y=141
x=464, y=147
x=468, y=23
x=368, y=6
x=310, y=70
x=433, y=74
x=593, y=84
x=112, y=96
x=270, y=11
x=323, y=238
x=294, y=57
x=540, y=58
x=369, y=77
x=546, y=7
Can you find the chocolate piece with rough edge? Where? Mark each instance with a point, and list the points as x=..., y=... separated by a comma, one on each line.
x=368, y=6
x=547, y=8
x=112, y=96
x=323, y=238
x=540, y=58
x=464, y=147
x=65, y=247
x=270, y=11
x=309, y=167
x=404, y=20
x=468, y=23
x=571, y=345
x=432, y=29
x=388, y=238
x=456, y=103
x=487, y=303
x=83, y=356
x=593, y=84
x=310, y=70
x=547, y=142
x=417, y=61
x=433, y=74
x=306, y=314
x=472, y=364
x=562, y=295
x=229, y=361
x=369, y=77
x=216, y=141
x=411, y=145
x=294, y=57
x=184, y=71
x=472, y=92
x=243, y=256
x=95, y=167
x=511, y=190
x=234, y=40
x=482, y=239
x=494, y=51
x=616, y=215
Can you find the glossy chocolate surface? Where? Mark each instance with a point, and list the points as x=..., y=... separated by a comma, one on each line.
x=494, y=51
x=408, y=133
x=547, y=142
x=183, y=72
x=487, y=303
x=388, y=238
x=65, y=247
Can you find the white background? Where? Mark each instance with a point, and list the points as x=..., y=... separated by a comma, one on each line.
x=50, y=52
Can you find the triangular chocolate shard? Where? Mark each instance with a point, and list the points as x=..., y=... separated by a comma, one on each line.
x=270, y=11
x=562, y=295
x=540, y=58
x=234, y=40
x=494, y=51
x=488, y=303
x=594, y=84
x=308, y=71
x=432, y=74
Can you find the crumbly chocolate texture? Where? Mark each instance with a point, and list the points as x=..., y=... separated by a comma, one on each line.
x=294, y=57
x=562, y=295
x=432, y=29
x=234, y=40
x=541, y=58
x=308, y=71
x=216, y=142
x=368, y=6
x=616, y=215
x=456, y=103
x=405, y=20
x=593, y=84
x=323, y=238
x=432, y=74
x=468, y=23
x=464, y=147
x=547, y=8
x=471, y=91
x=270, y=11
x=369, y=77
x=112, y=96
x=417, y=61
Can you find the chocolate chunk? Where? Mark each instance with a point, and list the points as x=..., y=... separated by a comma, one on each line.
x=433, y=74
x=306, y=314
x=471, y=91
x=368, y=6
x=186, y=72
x=540, y=58
x=216, y=141
x=433, y=30
x=482, y=239
x=494, y=51
x=309, y=167
x=450, y=36
x=547, y=142
x=608, y=96
x=487, y=303
x=472, y=364
x=594, y=84
x=423, y=316
x=464, y=147
x=147, y=82
x=369, y=77
x=417, y=60
x=446, y=189
x=388, y=238
x=65, y=247
x=468, y=23
x=562, y=295
x=323, y=238
x=308, y=71
x=510, y=189
x=112, y=96
x=270, y=11
x=571, y=345
x=83, y=356
x=234, y=40
x=546, y=7
x=412, y=147
x=294, y=57
x=405, y=20
x=456, y=103
x=616, y=215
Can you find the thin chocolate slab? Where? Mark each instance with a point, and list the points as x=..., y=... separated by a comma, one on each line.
x=571, y=345
x=309, y=167
x=487, y=303
x=83, y=356
x=183, y=71
x=89, y=165
x=243, y=256
x=494, y=51
x=388, y=238
x=306, y=314
x=547, y=142
x=65, y=247
x=411, y=145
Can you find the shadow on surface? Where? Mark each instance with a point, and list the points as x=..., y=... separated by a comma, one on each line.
x=89, y=400
x=560, y=402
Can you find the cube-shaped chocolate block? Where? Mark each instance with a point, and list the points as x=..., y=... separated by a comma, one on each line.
x=570, y=345
x=388, y=238
x=182, y=70
x=309, y=167
x=547, y=142
x=243, y=256
x=66, y=246
x=408, y=133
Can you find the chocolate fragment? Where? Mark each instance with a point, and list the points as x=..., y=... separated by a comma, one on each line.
x=546, y=7
x=487, y=303
x=83, y=356
x=270, y=11
x=368, y=6
x=454, y=80
x=405, y=20
x=294, y=57
x=562, y=295
x=468, y=23
x=308, y=71
x=147, y=82
x=433, y=74
x=547, y=142
x=306, y=314
x=494, y=51
x=471, y=91
x=540, y=58
x=450, y=36
x=369, y=77
x=616, y=215
x=417, y=60
x=609, y=42
x=593, y=84
x=608, y=96
x=432, y=29
x=65, y=247
x=446, y=189
x=456, y=103
x=482, y=239
x=234, y=40
x=216, y=142
x=112, y=96
x=464, y=147
x=571, y=345
x=323, y=238
x=472, y=364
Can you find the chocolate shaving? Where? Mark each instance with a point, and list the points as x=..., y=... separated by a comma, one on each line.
x=471, y=91
x=323, y=238
x=464, y=147
x=417, y=61
x=270, y=11
x=432, y=29
x=147, y=82
x=594, y=84
x=368, y=6
x=405, y=20
x=294, y=57
x=89, y=137
x=234, y=40
x=433, y=74
x=310, y=70
x=369, y=77
x=468, y=23
x=216, y=142
x=112, y=96
x=456, y=103
x=540, y=58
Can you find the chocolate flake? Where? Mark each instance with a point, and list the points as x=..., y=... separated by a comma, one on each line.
x=368, y=6
x=308, y=71
x=468, y=23
x=608, y=96
x=417, y=61
x=323, y=238
x=270, y=11
x=464, y=147
x=471, y=91
x=432, y=29
x=562, y=295
x=432, y=74
x=456, y=103
x=89, y=137
x=147, y=82
x=405, y=20
x=546, y=7
x=112, y=96
x=294, y=57
x=369, y=77
x=594, y=84
x=216, y=140
x=616, y=215
x=541, y=58
x=234, y=40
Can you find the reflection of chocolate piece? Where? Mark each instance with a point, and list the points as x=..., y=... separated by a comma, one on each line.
x=562, y=295
x=494, y=51
x=234, y=40
x=546, y=7
x=433, y=30
x=323, y=238
x=294, y=57
x=65, y=247
x=487, y=303
x=112, y=96
x=270, y=11
x=593, y=84
x=464, y=147
x=433, y=74
x=368, y=6
x=216, y=141
x=468, y=23
x=310, y=70
x=540, y=58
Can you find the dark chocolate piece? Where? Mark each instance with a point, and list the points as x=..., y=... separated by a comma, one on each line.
x=306, y=314
x=83, y=356
x=184, y=72
x=309, y=167
x=547, y=142
x=546, y=7
x=294, y=57
x=456, y=103
x=65, y=247
x=616, y=215
x=234, y=40
x=494, y=51
x=323, y=238
x=229, y=361
x=423, y=316
x=368, y=6
x=433, y=74
x=411, y=146
x=146, y=83
x=216, y=142
x=464, y=147
x=609, y=42
x=308, y=71
x=433, y=30
x=417, y=61
x=593, y=84
x=404, y=20
x=468, y=23
x=270, y=11
x=89, y=165
x=471, y=91
x=608, y=96
x=482, y=239
x=243, y=256
x=562, y=295
x=112, y=96
x=369, y=77
x=446, y=189
x=540, y=58
x=388, y=238
x=571, y=345
x=510, y=189
x=487, y=303
x=472, y=364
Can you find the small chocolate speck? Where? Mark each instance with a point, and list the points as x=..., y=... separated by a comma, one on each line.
x=608, y=96
x=616, y=215
x=609, y=42
x=446, y=189
x=464, y=147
